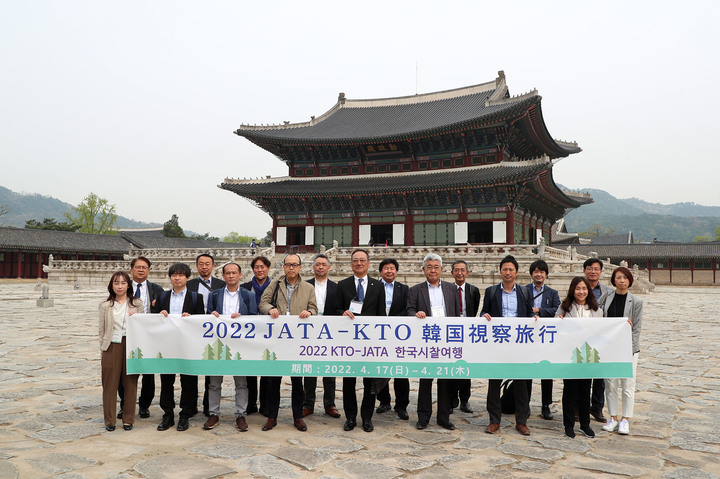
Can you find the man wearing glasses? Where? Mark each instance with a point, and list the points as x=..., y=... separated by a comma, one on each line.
x=289, y=295
x=592, y=268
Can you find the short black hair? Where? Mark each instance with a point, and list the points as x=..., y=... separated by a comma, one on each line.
x=392, y=261
x=321, y=256
x=141, y=258
x=541, y=265
x=510, y=259
x=263, y=259
x=228, y=264
x=179, y=268
x=204, y=254
x=592, y=261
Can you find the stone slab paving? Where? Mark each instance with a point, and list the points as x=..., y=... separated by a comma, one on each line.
x=51, y=414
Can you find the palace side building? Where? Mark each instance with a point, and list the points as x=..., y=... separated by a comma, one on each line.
x=470, y=165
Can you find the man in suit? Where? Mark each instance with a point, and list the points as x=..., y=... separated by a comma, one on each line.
x=469, y=298
x=593, y=268
x=433, y=297
x=545, y=302
x=289, y=295
x=260, y=267
x=182, y=302
x=508, y=300
x=325, y=291
x=360, y=295
x=148, y=293
x=395, y=305
x=233, y=301
x=203, y=285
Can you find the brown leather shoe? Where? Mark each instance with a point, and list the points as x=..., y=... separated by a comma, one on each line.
x=271, y=423
x=300, y=425
x=492, y=428
x=211, y=422
x=307, y=411
x=332, y=412
x=241, y=423
x=522, y=429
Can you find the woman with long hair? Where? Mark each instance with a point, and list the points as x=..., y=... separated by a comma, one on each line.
x=580, y=302
x=114, y=313
x=623, y=304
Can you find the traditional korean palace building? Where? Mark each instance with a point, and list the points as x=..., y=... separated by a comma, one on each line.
x=470, y=165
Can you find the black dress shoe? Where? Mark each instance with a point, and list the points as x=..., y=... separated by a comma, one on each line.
x=127, y=427
x=598, y=415
x=546, y=413
x=167, y=423
x=447, y=425
x=183, y=423
x=119, y=416
x=368, y=425
x=402, y=413
x=349, y=425
x=144, y=412
x=465, y=407
x=383, y=408
x=110, y=428
x=421, y=425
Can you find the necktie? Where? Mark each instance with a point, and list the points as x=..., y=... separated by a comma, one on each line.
x=137, y=290
x=360, y=290
x=460, y=298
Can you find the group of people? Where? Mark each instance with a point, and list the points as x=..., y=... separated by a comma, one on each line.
x=359, y=294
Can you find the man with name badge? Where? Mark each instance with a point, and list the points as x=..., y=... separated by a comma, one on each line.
x=593, y=268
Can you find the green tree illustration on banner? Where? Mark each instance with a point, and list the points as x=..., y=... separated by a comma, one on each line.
x=587, y=351
x=136, y=354
x=208, y=352
x=159, y=355
x=237, y=356
x=576, y=356
x=594, y=356
x=268, y=356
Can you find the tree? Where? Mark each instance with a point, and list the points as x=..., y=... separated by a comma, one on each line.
x=51, y=224
x=94, y=215
x=172, y=229
x=4, y=209
x=205, y=237
x=234, y=237
x=267, y=239
x=717, y=233
x=701, y=239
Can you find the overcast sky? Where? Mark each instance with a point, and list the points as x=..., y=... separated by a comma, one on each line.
x=137, y=101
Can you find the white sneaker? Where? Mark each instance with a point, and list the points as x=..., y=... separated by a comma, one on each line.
x=611, y=425
x=624, y=427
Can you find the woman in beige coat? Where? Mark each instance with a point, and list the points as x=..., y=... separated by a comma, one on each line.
x=114, y=313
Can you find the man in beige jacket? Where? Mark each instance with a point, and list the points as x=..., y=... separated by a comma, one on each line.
x=289, y=295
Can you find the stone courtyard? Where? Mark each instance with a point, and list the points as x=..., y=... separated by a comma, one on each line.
x=51, y=413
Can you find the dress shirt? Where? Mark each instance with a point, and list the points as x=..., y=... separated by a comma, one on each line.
x=364, y=283
x=389, y=289
x=509, y=302
x=597, y=291
x=205, y=291
x=290, y=291
x=231, y=301
x=437, y=299
x=143, y=294
x=463, y=303
x=177, y=300
x=320, y=295
x=537, y=295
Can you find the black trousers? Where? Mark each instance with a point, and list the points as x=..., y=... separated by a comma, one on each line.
x=460, y=393
x=252, y=385
x=273, y=396
x=263, y=394
x=576, y=391
x=188, y=394
x=598, y=394
x=424, y=404
x=401, y=386
x=328, y=392
x=367, y=407
x=546, y=386
x=522, y=400
x=147, y=392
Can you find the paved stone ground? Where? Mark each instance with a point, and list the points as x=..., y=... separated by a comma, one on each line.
x=51, y=414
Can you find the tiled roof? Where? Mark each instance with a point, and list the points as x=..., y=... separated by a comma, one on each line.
x=621, y=238
x=654, y=250
x=65, y=241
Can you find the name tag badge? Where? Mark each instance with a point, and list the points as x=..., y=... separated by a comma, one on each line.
x=356, y=307
x=438, y=312
x=117, y=337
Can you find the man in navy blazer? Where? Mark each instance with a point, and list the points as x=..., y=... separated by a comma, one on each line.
x=367, y=294
x=234, y=301
x=443, y=302
x=545, y=303
x=325, y=292
x=507, y=300
x=469, y=297
x=395, y=305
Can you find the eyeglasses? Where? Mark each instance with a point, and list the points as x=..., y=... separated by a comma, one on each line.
x=140, y=267
x=291, y=265
x=432, y=268
x=593, y=269
x=460, y=270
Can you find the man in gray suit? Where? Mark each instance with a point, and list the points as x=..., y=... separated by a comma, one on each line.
x=592, y=268
x=433, y=298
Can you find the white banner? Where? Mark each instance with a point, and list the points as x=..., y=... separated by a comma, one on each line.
x=517, y=348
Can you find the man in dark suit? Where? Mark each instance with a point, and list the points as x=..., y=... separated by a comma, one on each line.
x=545, y=302
x=203, y=285
x=395, y=305
x=508, y=300
x=148, y=293
x=179, y=301
x=363, y=295
x=325, y=292
x=469, y=298
x=433, y=297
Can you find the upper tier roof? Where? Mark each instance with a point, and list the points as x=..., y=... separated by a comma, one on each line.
x=367, y=121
